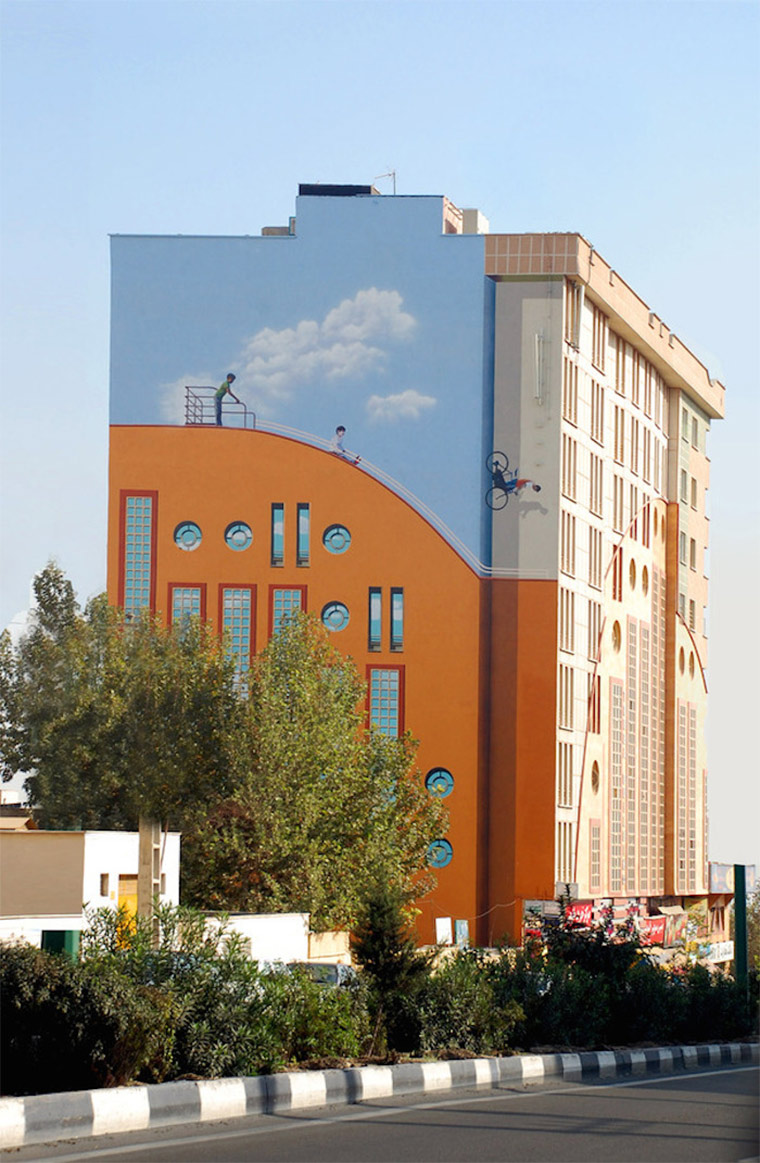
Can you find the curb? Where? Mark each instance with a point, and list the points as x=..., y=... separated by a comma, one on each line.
x=82, y=1114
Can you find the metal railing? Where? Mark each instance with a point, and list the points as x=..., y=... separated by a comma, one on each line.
x=200, y=409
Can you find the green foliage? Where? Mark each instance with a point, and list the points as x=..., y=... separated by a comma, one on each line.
x=66, y=1026
x=322, y=806
x=114, y=720
x=395, y=970
x=459, y=1008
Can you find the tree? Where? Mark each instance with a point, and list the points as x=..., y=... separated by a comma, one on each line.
x=112, y=720
x=324, y=806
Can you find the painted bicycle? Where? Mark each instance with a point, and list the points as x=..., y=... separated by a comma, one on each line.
x=504, y=484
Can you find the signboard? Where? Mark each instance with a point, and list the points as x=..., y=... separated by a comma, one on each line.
x=580, y=913
x=652, y=930
x=721, y=951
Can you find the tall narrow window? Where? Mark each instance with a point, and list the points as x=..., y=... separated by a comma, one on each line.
x=565, y=775
x=573, y=303
x=302, y=551
x=597, y=411
x=569, y=465
x=137, y=578
x=595, y=558
x=186, y=602
x=595, y=484
x=619, y=365
x=570, y=392
x=636, y=378
x=595, y=870
x=599, y=338
x=236, y=607
x=646, y=455
x=594, y=628
x=386, y=699
x=283, y=603
x=397, y=619
x=278, y=534
x=635, y=446
x=566, y=620
x=375, y=619
x=566, y=696
x=619, y=446
x=567, y=543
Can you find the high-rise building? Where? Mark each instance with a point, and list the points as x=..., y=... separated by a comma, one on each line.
x=518, y=559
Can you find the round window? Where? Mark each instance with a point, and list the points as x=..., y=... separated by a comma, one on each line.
x=439, y=782
x=632, y=574
x=616, y=636
x=595, y=778
x=439, y=853
x=238, y=535
x=187, y=535
x=691, y=666
x=681, y=660
x=645, y=580
x=335, y=616
x=336, y=539
x=655, y=522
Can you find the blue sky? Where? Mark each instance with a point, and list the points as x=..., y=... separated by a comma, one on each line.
x=633, y=123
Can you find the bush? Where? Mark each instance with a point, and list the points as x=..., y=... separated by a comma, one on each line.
x=459, y=1011
x=68, y=1027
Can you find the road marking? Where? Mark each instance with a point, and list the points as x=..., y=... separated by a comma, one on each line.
x=295, y=1123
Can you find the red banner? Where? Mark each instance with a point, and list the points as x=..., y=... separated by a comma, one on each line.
x=579, y=913
x=652, y=930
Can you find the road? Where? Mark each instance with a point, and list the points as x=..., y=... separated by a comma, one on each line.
x=699, y=1117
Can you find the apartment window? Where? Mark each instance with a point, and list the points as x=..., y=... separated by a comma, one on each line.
x=594, y=628
x=694, y=432
x=596, y=493
x=564, y=862
x=648, y=382
x=597, y=411
x=618, y=504
x=594, y=704
x=570, y=391
x=104, y=884
x=619, y=445
x=657, y=463
x=599, y=338
x=567, y=543
x=137, y=588
x=375, y=619
x=646, y=455
x=278, y=534
x=595, y=558
x=692, y=553
x=634, y=446
x=692, y=615
x=397, y=619
x=565, y=775
x=617, y=574
x=186, y=602
x=569, y=466
x=566, y=696
x=682, y=548
x=634, y=511
x=684, y=424
x=237, y=625
x=595, y=868
x=693, y=493
x=635, y=378
x=566, y=620
x=283, y=604
x=302, y=528
x=386, y=699
x=619, y=365
x=684, y=486
x=646, y=524
x=682, y=606
x=573, y=304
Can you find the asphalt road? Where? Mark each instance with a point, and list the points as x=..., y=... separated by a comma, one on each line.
x=699, y=1117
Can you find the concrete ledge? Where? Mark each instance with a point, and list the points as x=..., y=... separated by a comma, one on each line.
x=46, y=1118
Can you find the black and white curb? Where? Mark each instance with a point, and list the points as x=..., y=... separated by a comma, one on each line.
x=79, y=1114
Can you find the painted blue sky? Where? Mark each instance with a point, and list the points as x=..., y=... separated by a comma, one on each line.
x=634, y=123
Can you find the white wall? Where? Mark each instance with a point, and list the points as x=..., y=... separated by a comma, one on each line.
x=116, y=854
x=272, y=936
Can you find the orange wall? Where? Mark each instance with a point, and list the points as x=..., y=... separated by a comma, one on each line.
x=215, y=476
x=522, y=753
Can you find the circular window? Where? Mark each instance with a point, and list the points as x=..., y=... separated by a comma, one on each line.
x=336, y=539
x=632, y=574
x=238, y=535
x=655, y=522
x=645, y=580
x=439, y=782
x=616, y=636
x=439, y=853
x=187, y=535
x=595, y=778
x=335, y=616
x=691, y=666
x=681, y=661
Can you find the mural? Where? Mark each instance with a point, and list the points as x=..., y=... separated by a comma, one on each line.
x=368, y=318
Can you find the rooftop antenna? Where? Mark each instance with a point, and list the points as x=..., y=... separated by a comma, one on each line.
x=390, y=174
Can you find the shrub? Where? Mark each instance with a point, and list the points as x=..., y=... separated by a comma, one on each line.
x=458, y=1008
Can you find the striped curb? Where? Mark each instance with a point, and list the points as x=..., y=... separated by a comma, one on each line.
x=82, y=1114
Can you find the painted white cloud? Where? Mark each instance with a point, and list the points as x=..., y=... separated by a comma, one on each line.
x=351, y=341
x=408, y=405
